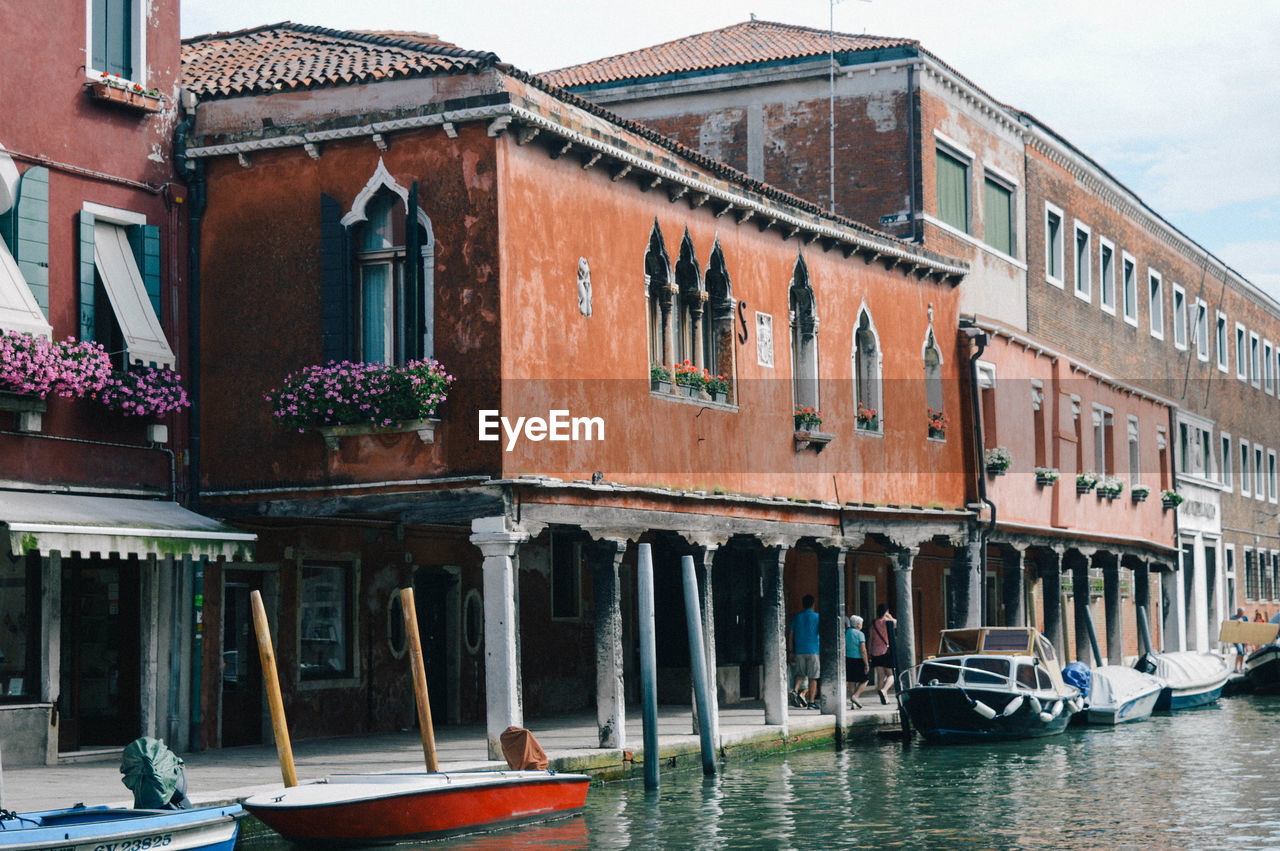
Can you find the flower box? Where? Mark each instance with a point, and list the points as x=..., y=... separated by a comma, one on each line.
x=21, y=402
x=332, y=434
x=127, y=98
x=1046, y=477
x=1138, y=493
x=1170, y=499
x=815, y=440
x=720, y=396
x=997, y=460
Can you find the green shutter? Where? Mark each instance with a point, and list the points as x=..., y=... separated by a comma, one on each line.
x=100, y=35
x=952, y=177
x=87, y=274
x=145, y=242
x=412, y=323
x=25, y=229
x=997, y=217
x=336, y=314
x=113, y=37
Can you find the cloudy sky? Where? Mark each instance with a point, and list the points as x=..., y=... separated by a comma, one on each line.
x=1180, y=100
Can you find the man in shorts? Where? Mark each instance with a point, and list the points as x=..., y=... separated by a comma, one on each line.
x=803, y=634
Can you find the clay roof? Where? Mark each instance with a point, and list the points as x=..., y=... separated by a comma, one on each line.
x=296, y=56
x=747, y=43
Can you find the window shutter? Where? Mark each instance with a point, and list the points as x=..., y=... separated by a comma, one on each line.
x=413, y=320
x=100, y=35
x=87, y=274
x=335, y=283
x=25, y=229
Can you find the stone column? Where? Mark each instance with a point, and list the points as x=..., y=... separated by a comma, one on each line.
x=703, y=557
x=149, y=646
x=1110, y=565
x=972, y=584
x=1173, y=606
x=1078, y=563
x=1198, y=624
x=667, y=303
x=831, y=691
x=903, y=560
x=1014, y=587
x=697, y=307
x=51, y=641
x=605, y=558
x=500, y=570
x=1142, y=604
x=1050, y=564
x=773, y=623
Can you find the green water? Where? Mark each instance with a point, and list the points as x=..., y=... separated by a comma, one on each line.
x=1201, y=779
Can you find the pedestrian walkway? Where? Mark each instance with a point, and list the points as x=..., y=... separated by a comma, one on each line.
x=230, y=774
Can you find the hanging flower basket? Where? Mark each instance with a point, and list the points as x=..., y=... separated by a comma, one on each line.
x=1086, y=482
x=1170, y=499
x=997, y=460
x=1110, y=488
x=1139, y=493
x=1047, y=477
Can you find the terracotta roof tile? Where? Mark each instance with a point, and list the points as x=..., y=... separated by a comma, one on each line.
x=750, y=42
x=292, y=56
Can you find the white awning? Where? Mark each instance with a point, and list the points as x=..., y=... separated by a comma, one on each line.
x=143, y=336
x=94, y=525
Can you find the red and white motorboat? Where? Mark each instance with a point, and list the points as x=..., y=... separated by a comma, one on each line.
x=364, y=809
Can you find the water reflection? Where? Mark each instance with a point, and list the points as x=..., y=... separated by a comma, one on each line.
x=1191, y=780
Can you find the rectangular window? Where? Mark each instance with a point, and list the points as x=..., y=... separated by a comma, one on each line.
x=1271, y=475
x=20, y=663
x=997, y=215
x=1053, y=249
x=1083, y=269
x=1246, y=464
x=987, y=398
x=1200, y=333
x=1223, y=344
x=1255, y=368
x=1135, y=455
x=125, y=313
x=116, y=39
x=1038, y=425
x=1264, y=574
x=1179, y=317
x=1259, y=482
x=1107, y=275
x=953, y=190
x=1242, y=356
x=1156, y=303
x=1268, y=356
x=325, y=627
x=1104, y=462
x=1250, y=575
x=1194, y=450
x=1227, y=479
x=566, y=577
x=1130, y=286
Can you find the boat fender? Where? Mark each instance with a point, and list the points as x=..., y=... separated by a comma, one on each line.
x=1036, y=708
x=1045, y=717
x=1012, y=706
x=982, y=709
x=1056, y=710
x=1076, y=704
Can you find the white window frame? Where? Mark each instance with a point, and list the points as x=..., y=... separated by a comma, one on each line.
x=1102, y=418
x=1201, y=331
x=1105, y=271
x=1006, y=181
x=1155, y=302
x=1222, y=341
x=1129, y=287
x=1134, y=445
x=1056, y=252
x=1242, y=356
x=1228, y=464
x=1271, y=476
x=1268, y=362
x=1259, y=485
x=1083, y=261
x=966, y=158
x=1255, y=351
x=1179, y=325
x=137, y=38
x=1246, y=463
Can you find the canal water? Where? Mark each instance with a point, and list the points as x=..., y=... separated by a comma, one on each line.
x=1202, y=779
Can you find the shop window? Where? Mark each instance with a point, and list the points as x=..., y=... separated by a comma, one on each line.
x=20, y=649
x=325, y=627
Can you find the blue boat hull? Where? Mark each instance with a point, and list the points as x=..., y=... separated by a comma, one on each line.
x=945, y=714
x=1169, y=701
x=120, y=829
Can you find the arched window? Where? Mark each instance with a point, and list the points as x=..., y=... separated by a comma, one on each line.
x=866, y=370
x=933, y=384
x=804, y=337
x=657, y=283
x=692, y=333
x=720, y=352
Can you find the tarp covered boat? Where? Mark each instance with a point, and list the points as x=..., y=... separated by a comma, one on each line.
x=1192, y=679
x=1118, y=695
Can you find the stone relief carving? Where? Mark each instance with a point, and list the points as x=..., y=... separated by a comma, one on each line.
x=584, y=287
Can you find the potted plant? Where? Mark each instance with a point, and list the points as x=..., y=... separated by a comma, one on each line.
x=659, y=377
x=144, y=391
x=1170, y=499
x=868, y=418
x=691, y=379
x=1086, y=481
x=1110, y=487
x=1138, y=493
x=718, y=387
x=1047, y=477
x=938, y=424
x=807, y=418
x=997, y=460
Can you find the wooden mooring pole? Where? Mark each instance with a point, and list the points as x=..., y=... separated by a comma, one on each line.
x=274, y=700
x=410, y=611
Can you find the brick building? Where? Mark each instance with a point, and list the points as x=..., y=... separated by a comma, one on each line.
x=553, y=257
x=100, y=569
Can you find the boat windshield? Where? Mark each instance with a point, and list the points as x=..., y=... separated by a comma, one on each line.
x=960, y=641
x=986, y=671
x=934, y=673
x=1005, y=641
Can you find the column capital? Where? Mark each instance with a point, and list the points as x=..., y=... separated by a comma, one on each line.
x=903, y=558
x=493, y=537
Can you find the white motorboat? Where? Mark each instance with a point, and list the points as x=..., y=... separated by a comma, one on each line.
x=1118, y=695
x=1192, y=679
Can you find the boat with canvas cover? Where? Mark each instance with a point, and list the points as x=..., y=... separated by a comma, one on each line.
x=990, y=683
x=84, y=828
x=1115, y=694
x=1262, y=669
x=1192, y=679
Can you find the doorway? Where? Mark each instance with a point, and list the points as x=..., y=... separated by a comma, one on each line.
x=435, y=595
x=99, y=693
x=241, y=672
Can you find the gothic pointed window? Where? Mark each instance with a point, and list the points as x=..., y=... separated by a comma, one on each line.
x=720, y=349
x=804, y=338
x=692, y=332
x=933, y=386
x=866, y=370
x=657, y=279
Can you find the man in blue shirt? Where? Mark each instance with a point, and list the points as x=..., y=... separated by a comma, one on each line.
x=803, y=633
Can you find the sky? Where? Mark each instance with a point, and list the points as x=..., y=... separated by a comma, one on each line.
x=1178, y=99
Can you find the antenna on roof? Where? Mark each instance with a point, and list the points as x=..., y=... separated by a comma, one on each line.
x=753, y=16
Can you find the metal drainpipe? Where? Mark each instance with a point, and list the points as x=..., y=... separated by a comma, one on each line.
x=911, y=150
x=979, y=340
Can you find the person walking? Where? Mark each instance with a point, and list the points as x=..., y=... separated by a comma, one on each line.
x=803, y=634
x=881, y=661
x=1240, y=648
x=855, y=660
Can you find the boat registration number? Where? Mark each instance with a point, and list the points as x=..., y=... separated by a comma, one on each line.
x=160, y=840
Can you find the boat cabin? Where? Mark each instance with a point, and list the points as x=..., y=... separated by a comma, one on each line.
x=1028, y=659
